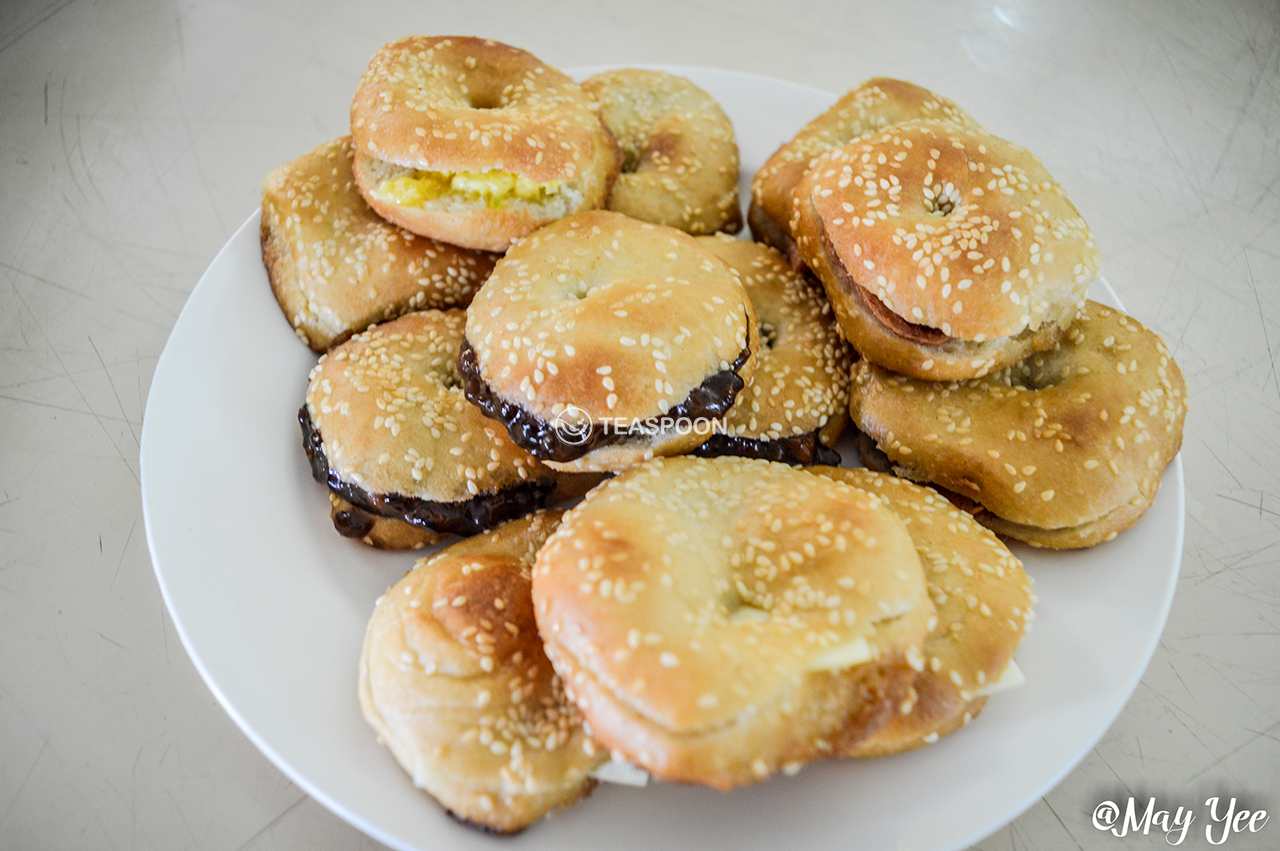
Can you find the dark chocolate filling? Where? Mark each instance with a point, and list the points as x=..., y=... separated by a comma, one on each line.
x=708, y=401
x=803, y=449
x=463, y=517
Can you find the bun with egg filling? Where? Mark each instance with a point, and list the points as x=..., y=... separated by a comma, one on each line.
x=474, y=142
x=946, y=252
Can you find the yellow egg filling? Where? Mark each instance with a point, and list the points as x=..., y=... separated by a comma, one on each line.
x=496, y=188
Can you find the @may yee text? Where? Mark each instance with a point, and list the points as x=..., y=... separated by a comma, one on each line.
x=1221, y=818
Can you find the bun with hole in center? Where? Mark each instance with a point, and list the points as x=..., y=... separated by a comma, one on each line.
x=947, y=252
x=474, y=142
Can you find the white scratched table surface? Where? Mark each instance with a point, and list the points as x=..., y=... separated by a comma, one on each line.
x=133, y=138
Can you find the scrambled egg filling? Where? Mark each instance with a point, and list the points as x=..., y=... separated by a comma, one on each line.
x=496, y=188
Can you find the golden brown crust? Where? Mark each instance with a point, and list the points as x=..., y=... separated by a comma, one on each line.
x=801, y=383
x=866, y=109
x=454, y=680
x=948, y=228
x=392, y=418
x=679, y=152
x=984, y=603
x=717, y=620
x=612, y=320
x=337, y=267
x=1065, y=449
x=453, y=104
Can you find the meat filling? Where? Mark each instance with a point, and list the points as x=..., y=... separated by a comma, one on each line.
x=922, y=334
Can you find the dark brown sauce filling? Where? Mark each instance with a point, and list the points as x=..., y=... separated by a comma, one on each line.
x=708, y=401
x=803, y=449
x=923, y=334
x=465, y=517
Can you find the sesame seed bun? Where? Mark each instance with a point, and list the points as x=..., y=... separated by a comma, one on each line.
x=797, y=402
x=337, y=267
x=984, y=604
x=1063, y=450
x=947, y=252
x=454, y=680
x=451, y=105
x=862, y=111
x=717, y=620
x=388, y=429
x=679, y=152
x=595, y=329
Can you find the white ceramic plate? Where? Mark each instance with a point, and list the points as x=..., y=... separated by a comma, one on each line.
x=271, y=605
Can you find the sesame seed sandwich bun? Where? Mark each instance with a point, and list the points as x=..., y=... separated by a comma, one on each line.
x=1065, y=449
x=679, y=152
x=861, y=111
x=718, y=620
x=454, y=680
x=984, y=605
x=947, y=252
x=474, y=142
x=797, y=402
x=388, y=431
x=337, y=267
x=600, y=341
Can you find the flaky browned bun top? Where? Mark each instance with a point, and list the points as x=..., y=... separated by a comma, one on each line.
x=337, y=267
x=679, y=152
x=454, y=680
x=1064, y=449
x=949, y=228
x=459, y=103
x=863, y=110
x=713, y=618
x=392, y=418
x=983, y=601
x=619, y=318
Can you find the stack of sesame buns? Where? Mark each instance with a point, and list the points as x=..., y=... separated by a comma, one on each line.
x=959, y=270
x=542, y=353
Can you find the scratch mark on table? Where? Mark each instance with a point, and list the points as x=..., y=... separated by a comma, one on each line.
x=123, y=550
x=271, y=824
x=114, y=391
